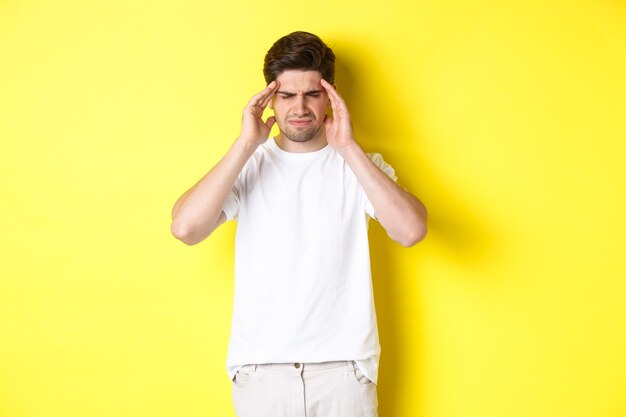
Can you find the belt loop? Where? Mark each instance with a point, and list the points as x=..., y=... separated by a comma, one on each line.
x=254, y=367
x=351, y=366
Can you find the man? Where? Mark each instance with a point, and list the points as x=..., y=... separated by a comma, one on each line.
x=304, y=339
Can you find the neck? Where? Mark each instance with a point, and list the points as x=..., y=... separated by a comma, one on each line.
x=287, y=145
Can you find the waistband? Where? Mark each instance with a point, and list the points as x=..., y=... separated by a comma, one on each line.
x=302, y=367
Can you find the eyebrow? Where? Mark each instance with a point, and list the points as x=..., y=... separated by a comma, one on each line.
x=306, y=92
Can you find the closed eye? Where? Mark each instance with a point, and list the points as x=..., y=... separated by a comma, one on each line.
x=287, y=95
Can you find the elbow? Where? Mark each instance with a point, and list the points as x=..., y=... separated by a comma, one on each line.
x=183, y=233
x=414, y=231
x=408, y=230
x=413, y=236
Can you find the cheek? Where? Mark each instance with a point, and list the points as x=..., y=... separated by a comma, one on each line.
x=322, y=107
x=278, y=107
x=279, y=113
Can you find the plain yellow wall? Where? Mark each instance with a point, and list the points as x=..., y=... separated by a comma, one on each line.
x=505, y=118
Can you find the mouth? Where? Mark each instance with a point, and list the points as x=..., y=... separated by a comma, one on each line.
x=300, y=122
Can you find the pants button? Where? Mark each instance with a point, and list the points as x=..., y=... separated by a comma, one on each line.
x=296, y=365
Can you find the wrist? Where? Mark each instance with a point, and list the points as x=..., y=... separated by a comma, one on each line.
x=350, y=149
x=247, y=146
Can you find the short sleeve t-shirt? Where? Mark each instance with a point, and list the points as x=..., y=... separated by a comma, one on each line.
x=303, y=290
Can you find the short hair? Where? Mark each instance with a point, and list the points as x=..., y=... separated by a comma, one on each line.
x=299, y=51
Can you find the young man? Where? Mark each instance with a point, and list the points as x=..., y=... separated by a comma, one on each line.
x=304, y=339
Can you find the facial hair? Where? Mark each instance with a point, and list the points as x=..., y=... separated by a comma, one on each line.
x=300, y=135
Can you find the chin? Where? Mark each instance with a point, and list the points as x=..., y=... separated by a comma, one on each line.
x=300, y=137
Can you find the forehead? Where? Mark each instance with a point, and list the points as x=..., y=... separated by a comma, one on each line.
x=295, y=80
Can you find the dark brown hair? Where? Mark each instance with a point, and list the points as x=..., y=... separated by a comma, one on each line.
x=299, y=51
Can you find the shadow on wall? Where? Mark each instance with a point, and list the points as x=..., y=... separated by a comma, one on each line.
x=462, y=233
x=453, y=226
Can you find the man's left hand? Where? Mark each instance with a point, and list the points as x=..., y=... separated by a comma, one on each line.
x=339, y=132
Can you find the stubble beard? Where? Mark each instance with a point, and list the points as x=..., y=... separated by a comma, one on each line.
x=300, y=135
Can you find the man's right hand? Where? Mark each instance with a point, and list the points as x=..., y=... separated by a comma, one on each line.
x=199, y=210
x=253, y=129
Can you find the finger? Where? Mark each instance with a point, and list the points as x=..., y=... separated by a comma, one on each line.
x=260, y=97
x=327, y=86
x=332, y=91
x=335, y=106
x=336, y=102
x=269, y=97
x=270, y=122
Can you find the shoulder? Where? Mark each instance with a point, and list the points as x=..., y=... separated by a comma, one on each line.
x=261, y=154
x=380, y=162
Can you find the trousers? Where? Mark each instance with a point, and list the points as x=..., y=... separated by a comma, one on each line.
x=328, y=389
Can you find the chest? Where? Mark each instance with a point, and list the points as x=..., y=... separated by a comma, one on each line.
x=318, y=194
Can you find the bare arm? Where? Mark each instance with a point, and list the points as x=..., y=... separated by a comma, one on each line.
x=198, y=212
x=400, y=213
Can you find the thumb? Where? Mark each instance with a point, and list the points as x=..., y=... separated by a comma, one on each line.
x=270, y=122
x=328, y=122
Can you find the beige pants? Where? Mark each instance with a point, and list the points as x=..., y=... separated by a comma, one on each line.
x=329, y=389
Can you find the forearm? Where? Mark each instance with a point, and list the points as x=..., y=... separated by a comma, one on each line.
x=196, y=213
x=400, y=213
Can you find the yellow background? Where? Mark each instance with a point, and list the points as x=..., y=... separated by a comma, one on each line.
x=506, y=118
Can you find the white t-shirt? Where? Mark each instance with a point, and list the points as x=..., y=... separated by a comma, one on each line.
x=303, y=290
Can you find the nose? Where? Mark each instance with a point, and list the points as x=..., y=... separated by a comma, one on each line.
x=299, y=107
